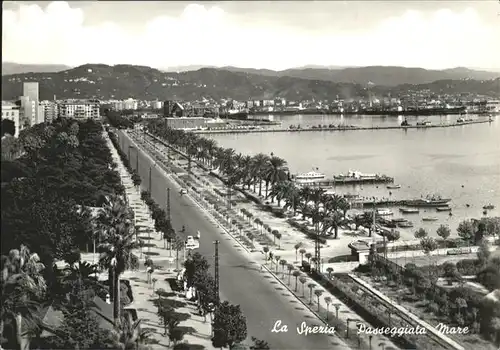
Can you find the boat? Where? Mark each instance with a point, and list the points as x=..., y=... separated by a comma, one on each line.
x=460, y=120
x=424, y=123
x=398, y=220
x=429, y=201
x=405, y=224
x=409, y=211
x=417, y=112
x=310, y=176
x=393, y=187
x=443, y=209
x=384, y=212
x=429, y=218
x=489, y=206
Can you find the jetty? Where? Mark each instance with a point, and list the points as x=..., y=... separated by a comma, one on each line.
x=233, y=130
x=346, y=180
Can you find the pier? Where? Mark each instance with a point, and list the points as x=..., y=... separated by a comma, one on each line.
x=335, y=128
x=346, y=180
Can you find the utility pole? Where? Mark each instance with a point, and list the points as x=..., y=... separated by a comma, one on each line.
x=150, y=178
x=317, y=249
x=168, y=204
x=216, y=267
x=137, y=160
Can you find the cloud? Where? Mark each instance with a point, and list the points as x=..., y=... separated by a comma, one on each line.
x=209, y=35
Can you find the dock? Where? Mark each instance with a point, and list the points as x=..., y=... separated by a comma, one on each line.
x=335, y=128
x=347, y=180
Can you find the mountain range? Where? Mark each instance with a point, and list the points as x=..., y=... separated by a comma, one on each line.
x=124, y=81
x=378, y=75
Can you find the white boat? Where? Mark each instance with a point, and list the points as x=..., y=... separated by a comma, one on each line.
x=393, y=187
x=312, y=175
x=384, y=212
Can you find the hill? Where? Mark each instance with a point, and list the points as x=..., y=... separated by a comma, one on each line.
x=17, y=68
x=124, y=81
x=379, y=75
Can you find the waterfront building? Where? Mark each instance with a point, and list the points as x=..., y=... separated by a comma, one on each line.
x=79, y=109
x=186, y=123
x=10, y=111
x=156, y=104
x=130, y=104
x=167, y=108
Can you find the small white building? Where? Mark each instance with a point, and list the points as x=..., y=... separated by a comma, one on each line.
x=10, y=111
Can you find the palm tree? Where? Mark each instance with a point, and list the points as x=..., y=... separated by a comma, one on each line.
x=116, y=250
x=277, y=258
x=318, y=293
x=283, y=263
x=328, y=301
x=337, y=308
x=22, y=287
x=274, y=172
x=311, y=286
x=290, y=268
x=259, y=163
x=297, y=246
x=129, y=335
x=302, y=280
x=296, y=274
x=308, y=257
x=302, y=251
x=330, y=271
x=266, y=250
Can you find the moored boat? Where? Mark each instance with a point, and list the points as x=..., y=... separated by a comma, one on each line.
x=489, y=206
x=443, y=209
x=398, y=220
x=405, y=224
x=409, y=210
x=429, y=218
x=310, y=176
x=393, y=187
x=429, y=201
x=384, y=212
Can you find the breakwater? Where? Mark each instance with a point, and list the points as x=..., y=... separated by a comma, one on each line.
x=334, y=128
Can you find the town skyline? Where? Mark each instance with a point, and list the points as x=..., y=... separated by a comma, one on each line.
x=267, y=35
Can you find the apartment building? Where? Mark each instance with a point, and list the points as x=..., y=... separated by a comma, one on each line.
x=10, y=111
x=28, y=111
x=79, y=109
x=50, y=110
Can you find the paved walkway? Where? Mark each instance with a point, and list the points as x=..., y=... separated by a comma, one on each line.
x=198, y=331
x=345, y=313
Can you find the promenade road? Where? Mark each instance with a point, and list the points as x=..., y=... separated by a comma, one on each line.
x=262, y=299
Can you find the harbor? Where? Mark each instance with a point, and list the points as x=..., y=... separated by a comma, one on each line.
x=248, y=130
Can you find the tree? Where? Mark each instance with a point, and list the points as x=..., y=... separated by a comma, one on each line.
x=420, y=233
x=318, y=293
x=296, y=274
x=337, y=308
x=22, y=287
x=428, y=245
x=117, y=248
x=328, y=301
x=302, y=281
x=229, y=326
x=259, y=344
x=297, y=246
x=466, y=230
x=196, y=265
x=8, y=127
x=311, y=287
x=302, y=251
x=330, y=271
x=443, y=231
x=266, y=251
x=483, y=253
x=308, y=257
x=451, y=272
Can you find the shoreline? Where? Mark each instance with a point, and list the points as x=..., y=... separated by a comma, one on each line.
x=340, y=128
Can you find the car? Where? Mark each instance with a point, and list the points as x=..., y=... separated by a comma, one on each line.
x=183, y=191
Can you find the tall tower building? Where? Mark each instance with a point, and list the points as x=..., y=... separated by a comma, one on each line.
x=31, y=90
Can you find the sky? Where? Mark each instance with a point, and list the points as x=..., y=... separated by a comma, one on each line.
x=256, y=34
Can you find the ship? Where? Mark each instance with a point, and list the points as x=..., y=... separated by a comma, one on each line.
x=429, y=201
x=234, y=114
x=416, y=112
